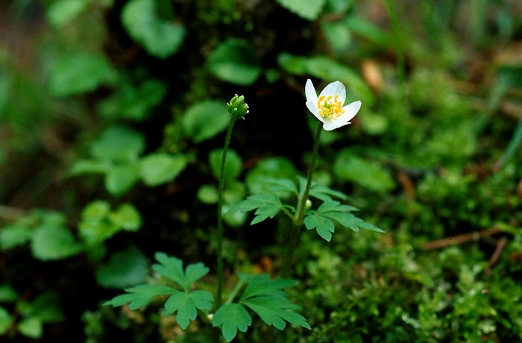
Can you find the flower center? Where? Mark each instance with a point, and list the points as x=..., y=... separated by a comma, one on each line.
x=329, y=106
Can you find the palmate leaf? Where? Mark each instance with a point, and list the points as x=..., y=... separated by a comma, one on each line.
x=323, y=219
x=172, y=268
x=281, y=185
x=140, y=295
x=266, y=205
x=275, y=310
x=231, y=317
x=325, y=193
x=184, y=303
x=265, y=297
x=324, y=226
x=268, y=299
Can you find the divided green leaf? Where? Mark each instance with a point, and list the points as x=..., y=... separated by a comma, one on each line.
x=266, y=205
x=140, y=295
x=231, y=317
x=323, y=219
x=268, y=299
x=172, y=268
x=184, y=303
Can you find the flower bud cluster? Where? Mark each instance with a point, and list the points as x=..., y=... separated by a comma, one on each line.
x=237, y=107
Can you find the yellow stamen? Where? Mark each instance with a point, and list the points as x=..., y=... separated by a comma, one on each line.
x=330, y=108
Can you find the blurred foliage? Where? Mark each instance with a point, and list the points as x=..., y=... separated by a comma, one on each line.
x=112, y=115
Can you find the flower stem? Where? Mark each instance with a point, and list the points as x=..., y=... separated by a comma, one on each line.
x=221, y=187
x=301, y=203
x=295, y=230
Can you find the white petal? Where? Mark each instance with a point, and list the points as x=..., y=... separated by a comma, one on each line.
x=350, y=111
x=335, y=88
x=313, y=108
x=311, y=94
x=330, y=125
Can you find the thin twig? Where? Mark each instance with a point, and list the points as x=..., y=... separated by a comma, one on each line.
x=501, y=244
x=473, y=236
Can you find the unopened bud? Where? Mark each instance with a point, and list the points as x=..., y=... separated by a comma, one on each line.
x=237, y=106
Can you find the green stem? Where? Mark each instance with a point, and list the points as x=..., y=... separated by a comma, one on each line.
x=219, y=293
x=301, y=203
x=295, y=230
x=234, y=292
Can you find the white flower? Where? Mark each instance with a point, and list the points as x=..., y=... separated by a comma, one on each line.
x=328, y=107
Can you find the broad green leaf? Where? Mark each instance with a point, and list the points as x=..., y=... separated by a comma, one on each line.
x=368, y=30
x=53, y=242
x=5, y=320
x=205, y=119
x=100, y=223
x=186, y=305
x=207, y=194
x=120, y=178
x=97, y=231
x=45, y=307
x=297, y=65
x=140, y=296
x=322, y=225
x=160, y=37
x=233, y=219
x=369, y=174
x=338, y=35
x=96, y=210
x=234, y=61
x=13, y=236
x=231, y=317
x=63, y=11
x=125, y=268
x=234, y=192
x=133, y=102
x=118, y=143
x=159, y=168
x=304, y=8
x=272, y=168
x=232, y=166
x=31, y=327
x=126, y=217
x=78, y=73
x=8, y=294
